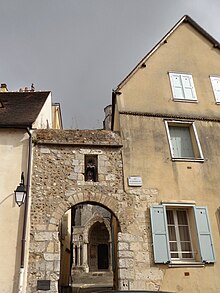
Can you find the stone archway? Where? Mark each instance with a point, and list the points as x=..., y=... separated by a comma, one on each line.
x=58, y=183
x=45, y=246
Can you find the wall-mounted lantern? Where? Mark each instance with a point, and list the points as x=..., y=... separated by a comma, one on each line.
x=20, y=192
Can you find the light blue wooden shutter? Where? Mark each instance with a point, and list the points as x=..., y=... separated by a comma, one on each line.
x=181, y=142
x=216, y=87
x=204, y=234
x=160, y=236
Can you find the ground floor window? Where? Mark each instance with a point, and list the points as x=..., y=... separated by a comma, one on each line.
x=181, y=234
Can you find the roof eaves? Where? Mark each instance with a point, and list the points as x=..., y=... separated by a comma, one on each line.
x=202, y=31
x=185, y=18
x=20, y=126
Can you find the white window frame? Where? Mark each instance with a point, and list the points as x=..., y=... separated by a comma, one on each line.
x=183, y=97
x=213, y=79
x=193, y=136
x=177, y=234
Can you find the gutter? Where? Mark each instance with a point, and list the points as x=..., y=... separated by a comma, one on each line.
x=23, y=240
x=114, y=94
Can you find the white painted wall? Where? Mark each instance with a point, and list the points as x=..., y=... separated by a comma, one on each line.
x=44, y=118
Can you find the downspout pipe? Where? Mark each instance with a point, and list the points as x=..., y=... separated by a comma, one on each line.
x=26, y=207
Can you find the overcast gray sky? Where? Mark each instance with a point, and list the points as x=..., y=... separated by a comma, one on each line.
x=82, y=49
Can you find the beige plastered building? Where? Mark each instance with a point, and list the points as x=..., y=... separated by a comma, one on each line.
x=20, y=113
x=167, y=112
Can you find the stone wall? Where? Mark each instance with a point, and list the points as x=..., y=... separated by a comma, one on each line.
x=58, y=183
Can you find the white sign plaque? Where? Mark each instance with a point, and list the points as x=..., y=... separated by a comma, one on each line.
x=134, y=181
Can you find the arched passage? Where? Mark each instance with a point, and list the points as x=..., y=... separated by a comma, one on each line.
x=88, y=236
x=59, y=183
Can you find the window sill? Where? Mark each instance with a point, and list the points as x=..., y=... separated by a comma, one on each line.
x=185, y=264
x=187, y=160
x=185, y=100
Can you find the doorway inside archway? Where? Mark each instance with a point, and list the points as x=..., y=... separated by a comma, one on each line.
x=99, y=247
x=103, y=257
x=88, y=242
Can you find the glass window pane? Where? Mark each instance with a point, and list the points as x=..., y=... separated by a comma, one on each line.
x=170, y=219
x=174, y=255
x=173, y=246
x=172, y=233
x=182, y=217
x=186, y=246
x=187, y=249
x=184, y=233
x=187, y=255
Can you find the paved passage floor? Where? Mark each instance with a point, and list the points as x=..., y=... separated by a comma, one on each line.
x=86, y=289
x=90, y=282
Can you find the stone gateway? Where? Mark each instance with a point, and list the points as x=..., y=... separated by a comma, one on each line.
x=60, y=183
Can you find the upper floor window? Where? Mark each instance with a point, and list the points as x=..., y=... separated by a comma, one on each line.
x=183, y=140
x=182, y=87
x=215, y=81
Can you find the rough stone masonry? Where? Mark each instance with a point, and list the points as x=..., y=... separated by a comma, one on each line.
x=58, y=183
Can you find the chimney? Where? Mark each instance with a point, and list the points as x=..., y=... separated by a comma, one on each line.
x=3, y=87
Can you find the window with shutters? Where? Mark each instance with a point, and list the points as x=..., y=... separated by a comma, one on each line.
x=183, y=141
x=215, y=81
x=182, y=87
x=181, y=234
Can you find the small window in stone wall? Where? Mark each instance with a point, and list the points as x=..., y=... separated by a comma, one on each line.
x=91, y=168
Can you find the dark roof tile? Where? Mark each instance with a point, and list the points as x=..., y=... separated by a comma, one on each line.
x=20, y=109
